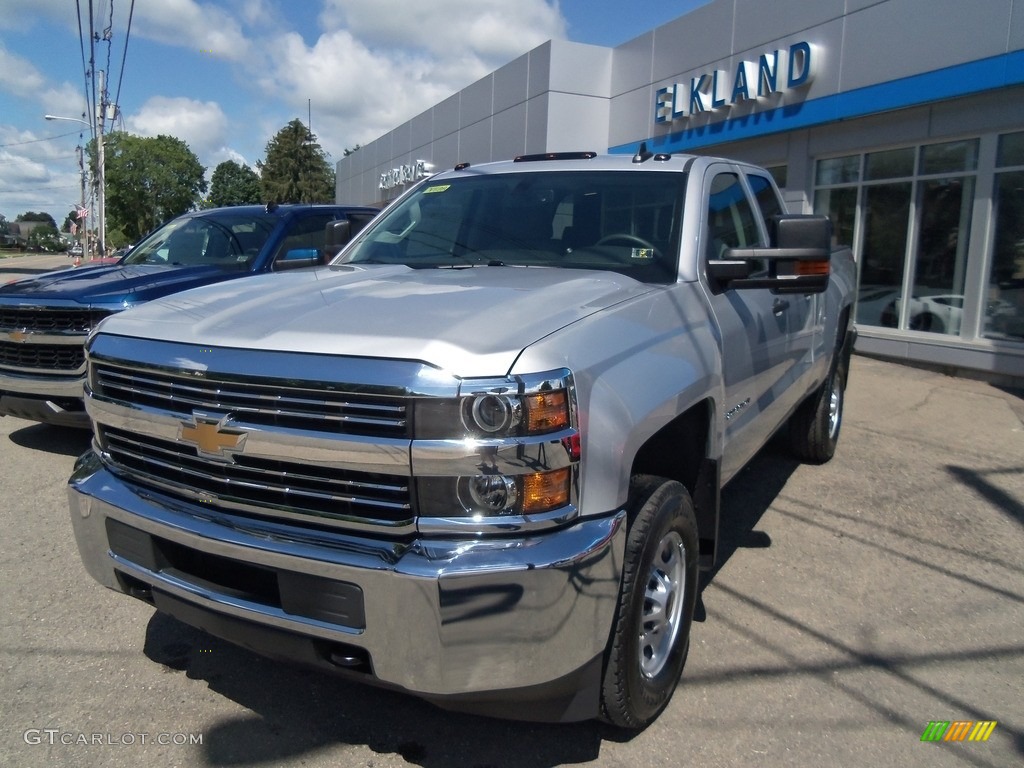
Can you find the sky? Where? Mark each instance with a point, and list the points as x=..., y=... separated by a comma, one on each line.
x=226, y=75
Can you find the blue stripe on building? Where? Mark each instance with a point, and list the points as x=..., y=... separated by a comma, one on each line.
x=952, y=82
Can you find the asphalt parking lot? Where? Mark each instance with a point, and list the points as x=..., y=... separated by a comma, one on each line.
x=854, y=603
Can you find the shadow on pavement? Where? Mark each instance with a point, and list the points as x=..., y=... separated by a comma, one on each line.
x=744, y=502
x=30, y=270
x=295, y=712
x=65, y=441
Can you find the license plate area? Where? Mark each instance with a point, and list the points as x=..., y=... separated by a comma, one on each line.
x=297, y=594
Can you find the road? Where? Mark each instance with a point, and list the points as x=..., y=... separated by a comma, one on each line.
x=854, y=603
x=16, y=266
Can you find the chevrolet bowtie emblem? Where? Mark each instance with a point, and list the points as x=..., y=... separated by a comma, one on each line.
x=18, y=336
x=211, y=437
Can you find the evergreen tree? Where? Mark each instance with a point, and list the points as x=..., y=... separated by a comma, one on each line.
x=296, y=169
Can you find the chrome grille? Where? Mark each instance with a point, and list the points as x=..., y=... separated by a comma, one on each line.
x=314, y=495
x=266, y=402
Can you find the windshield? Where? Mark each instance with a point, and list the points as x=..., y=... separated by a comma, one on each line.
x=231, y=241
x=623, y=221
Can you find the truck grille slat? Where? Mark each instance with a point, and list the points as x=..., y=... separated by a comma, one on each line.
x=70, y=324
x=49, y=319
x=320, y=495
x=42, y=357
x=285, y=404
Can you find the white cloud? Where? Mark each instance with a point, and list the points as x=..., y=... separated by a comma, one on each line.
x=256, y=12
x=22, y=15
x=492, y=31
x=35, y=172
x=200, y=124
x=185, y=23
x=379, y=64
x=18, y=76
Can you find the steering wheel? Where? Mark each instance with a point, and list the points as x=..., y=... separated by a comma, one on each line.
x=628, y=238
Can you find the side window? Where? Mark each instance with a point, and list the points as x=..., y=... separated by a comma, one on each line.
x=764, y=193
x=306, y=234
x=731, y=220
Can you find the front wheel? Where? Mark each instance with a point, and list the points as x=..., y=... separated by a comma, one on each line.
x=651, y=635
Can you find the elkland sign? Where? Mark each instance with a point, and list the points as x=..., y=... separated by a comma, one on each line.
x=403, y=174
x=772, y=74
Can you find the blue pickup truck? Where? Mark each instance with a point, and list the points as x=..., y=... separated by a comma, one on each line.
x=44, y=320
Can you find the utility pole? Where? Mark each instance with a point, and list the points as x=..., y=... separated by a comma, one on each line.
x=83, y=226
x=101, y=181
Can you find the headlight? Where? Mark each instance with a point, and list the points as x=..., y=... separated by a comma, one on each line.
x=493, y=413
x=513, y=407
x=503, y=453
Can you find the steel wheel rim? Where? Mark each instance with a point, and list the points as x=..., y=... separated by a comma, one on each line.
x=835, y=413
x=664, y=597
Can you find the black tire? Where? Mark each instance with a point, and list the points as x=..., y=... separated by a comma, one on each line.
x=647, y=648
x=926, y=321
x=814, y=427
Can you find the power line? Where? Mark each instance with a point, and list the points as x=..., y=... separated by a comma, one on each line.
x=5, y=192
x=46, y=138
x=92, y=59
x=9, y=160
x=124, y=54
x=85, y=67
x=108, y=36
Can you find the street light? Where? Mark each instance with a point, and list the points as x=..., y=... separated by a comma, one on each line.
x=101, y=208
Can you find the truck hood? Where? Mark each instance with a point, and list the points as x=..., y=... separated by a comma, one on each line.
x=114, y=284
x=471, y=322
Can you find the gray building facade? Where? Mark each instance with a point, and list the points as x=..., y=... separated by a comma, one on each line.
x=903, y=120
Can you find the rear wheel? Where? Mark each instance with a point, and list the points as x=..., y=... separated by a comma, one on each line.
x=814, y=427
x=651, y=635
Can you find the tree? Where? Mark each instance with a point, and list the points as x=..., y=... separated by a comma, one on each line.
x=46, y=237
x=296, y=169
x=233, y=184
x=33, y=216
x=149, y=180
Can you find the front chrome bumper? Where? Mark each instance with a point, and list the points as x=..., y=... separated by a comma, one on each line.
x=436, y=618
x=68, y=386
x=53, y=399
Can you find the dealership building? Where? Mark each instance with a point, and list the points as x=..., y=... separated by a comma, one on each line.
x=902, y=120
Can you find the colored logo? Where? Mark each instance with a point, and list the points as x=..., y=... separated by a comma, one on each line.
x=211, y=437
x=958, y=730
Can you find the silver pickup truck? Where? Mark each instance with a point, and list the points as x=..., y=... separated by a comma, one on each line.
x=479, y=457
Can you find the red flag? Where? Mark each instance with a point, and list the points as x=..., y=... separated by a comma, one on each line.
x=74, y=228
x=81, y=213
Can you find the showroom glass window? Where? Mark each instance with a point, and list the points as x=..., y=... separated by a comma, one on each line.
x=1004, y=308
x=907, y=214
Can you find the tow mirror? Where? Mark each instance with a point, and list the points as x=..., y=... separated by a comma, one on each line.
x=338, y=234
x=798, y=261
x=297, y=258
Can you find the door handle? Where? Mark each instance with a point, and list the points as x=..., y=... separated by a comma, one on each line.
x=779, y=306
